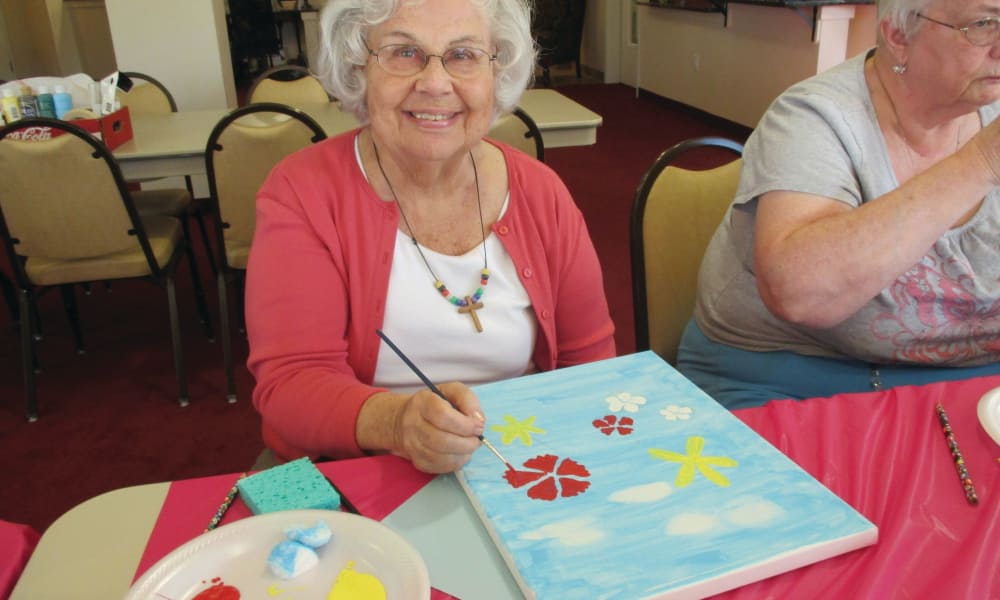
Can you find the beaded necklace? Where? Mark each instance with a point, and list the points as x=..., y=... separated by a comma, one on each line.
x=471, y=303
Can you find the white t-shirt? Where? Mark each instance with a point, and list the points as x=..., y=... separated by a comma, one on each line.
x=442, y=342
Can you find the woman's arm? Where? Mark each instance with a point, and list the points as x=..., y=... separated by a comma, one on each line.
x=817, y=260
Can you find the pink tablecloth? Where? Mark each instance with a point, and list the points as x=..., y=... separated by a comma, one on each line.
x=17, y=542
x=885, y=454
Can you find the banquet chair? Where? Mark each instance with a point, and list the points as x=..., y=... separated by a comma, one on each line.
x=242, y=149
x=67, y=217
x=518, y=129
x=674, y=214
x=293, y=85
x=148, y=96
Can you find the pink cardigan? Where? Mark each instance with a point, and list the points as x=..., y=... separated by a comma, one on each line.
x=318, y=275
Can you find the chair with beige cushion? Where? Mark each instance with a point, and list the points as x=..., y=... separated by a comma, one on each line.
x=674, y=215
x=67, y=217
x=148, y=96
x=293, y=85
x=518, y=129
x=242, y=149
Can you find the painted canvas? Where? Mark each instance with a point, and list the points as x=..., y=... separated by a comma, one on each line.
x=630, y=482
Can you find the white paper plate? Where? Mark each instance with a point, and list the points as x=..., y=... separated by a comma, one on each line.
x=989, y=413
x=236, y=555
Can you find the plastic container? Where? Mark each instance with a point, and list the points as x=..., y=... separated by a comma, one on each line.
x=11, y=106
x=62, y=100
x=95, y=97
x=29, y=103
x=46, y=103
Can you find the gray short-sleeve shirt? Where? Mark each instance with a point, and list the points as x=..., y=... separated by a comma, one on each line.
x=821, y=137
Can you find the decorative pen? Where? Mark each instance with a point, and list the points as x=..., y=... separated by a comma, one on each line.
x=956, y=455
x=224, y=507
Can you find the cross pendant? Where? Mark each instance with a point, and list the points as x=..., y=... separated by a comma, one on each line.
x=471, y=308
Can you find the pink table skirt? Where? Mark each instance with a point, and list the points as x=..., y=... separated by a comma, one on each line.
x=17, y=542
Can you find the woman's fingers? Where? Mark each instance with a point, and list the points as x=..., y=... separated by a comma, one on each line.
x=438, y=437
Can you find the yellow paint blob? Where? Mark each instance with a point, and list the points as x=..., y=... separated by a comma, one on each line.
x=356, y=586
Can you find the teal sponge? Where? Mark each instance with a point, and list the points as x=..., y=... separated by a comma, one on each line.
x=294, y=485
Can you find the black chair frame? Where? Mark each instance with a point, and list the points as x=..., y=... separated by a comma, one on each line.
x=27, y=291
x=532, y=133
x=228, y=274
x=637, y=243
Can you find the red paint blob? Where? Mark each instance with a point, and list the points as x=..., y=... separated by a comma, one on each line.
x=218, y=591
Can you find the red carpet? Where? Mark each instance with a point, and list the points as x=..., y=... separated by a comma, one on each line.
x=109, y=418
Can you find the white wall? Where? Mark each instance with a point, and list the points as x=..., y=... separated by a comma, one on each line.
x=736, y=71
x=183, y=43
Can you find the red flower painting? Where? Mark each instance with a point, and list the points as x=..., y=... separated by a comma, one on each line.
x=554, y=478
x=610, y=424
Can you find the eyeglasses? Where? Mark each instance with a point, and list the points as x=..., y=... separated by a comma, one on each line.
x=406, y=60
x=981, y=32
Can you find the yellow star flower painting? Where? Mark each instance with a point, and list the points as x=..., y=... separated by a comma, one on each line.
x=693, y=460
x=517, y=430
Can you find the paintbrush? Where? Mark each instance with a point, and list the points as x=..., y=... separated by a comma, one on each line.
x=430, y=385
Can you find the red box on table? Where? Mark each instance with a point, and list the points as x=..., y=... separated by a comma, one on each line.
x=113, y=130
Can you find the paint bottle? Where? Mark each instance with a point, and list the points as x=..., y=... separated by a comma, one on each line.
x=11, y=107
x=46, y=103
x=29, y=103
x=62, y=100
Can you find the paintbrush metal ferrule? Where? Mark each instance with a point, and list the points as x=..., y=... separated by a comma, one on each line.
x=493, y=449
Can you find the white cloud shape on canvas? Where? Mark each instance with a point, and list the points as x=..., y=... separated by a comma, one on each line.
x=754, y=514
x=572, y=532
x=649, y=492
x=691, y=523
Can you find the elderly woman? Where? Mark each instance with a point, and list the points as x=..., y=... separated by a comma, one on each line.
x=862, y=250
x=469, y=255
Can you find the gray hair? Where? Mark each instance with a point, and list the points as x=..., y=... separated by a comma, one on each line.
x=902, y=14
x=345, y=24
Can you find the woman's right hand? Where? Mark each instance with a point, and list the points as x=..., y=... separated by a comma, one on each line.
x=427, y=430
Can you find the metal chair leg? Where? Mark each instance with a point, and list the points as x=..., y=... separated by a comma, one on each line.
x=175, y=336
x=10, y=297
x=28, y=357
x=199, y=292
x=240, y=285
x=207, y=241
x=227, y=341
x=73, y=314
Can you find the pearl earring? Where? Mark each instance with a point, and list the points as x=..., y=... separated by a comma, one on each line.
x=899, y=69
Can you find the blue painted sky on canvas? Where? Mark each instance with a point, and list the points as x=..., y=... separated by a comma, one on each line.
x=634, y=532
